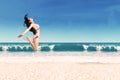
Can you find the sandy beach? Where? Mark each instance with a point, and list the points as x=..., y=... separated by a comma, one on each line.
x=59, y=71
x=33, y=69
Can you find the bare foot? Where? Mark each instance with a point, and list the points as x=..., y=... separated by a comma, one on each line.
x=27, y=38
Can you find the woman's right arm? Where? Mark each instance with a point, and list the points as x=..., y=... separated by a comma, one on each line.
x=22, y=34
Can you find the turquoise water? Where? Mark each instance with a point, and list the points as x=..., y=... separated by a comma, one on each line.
x=61, y=47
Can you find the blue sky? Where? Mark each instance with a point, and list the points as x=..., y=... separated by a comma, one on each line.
x=62, y=20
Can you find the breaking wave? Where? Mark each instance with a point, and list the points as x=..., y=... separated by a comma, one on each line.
x=62, y=47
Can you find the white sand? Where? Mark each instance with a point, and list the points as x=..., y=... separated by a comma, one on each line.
x=59, y=71
x=60, y=68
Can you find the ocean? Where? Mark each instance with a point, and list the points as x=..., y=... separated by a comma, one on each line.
x=53, y=52
x=61, y=47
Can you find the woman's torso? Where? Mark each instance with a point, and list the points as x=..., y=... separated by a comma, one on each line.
x=36, y=28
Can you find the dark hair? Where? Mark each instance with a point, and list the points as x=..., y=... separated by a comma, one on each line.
x=28, y=23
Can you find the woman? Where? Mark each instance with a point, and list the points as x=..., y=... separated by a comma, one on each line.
x=31, y=26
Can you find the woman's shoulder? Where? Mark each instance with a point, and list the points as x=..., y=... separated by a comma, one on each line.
x=37, y=25
x=33, y=24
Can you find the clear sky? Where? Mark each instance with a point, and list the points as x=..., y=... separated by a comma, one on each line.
x=62, y=20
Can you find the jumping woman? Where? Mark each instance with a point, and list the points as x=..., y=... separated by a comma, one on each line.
x=33, y=27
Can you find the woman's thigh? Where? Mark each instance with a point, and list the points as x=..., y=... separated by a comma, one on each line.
x=36, y=42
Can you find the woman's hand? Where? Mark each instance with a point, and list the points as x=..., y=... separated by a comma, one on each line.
x=20, y=35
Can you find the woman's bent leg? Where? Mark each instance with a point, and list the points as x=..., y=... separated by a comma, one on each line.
x=30, y=41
